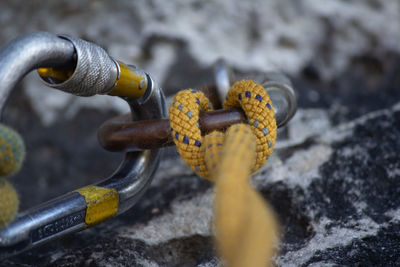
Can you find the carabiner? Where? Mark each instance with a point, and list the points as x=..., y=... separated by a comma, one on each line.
x=93, y=204
x=84, y=69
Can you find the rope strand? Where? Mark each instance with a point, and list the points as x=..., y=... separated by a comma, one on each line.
x=246, y=227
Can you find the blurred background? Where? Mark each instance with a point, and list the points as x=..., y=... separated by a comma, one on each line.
x=343, y=57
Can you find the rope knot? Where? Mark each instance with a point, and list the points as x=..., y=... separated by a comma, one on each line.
x=246, y=94
x=246, y=228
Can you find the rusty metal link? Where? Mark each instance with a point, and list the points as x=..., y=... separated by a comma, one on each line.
x=123, y=134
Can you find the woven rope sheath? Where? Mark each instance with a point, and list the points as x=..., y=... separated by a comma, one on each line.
x=246, y=227
x=250, y=96
x=255, y=102
x=184, y=116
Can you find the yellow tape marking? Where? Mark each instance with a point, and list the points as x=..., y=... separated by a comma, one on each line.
x=102, y=203
x=60, y=75
x=131, y=83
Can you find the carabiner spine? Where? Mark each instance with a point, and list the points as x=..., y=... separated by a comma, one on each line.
x=82, y=208
x=43, y=223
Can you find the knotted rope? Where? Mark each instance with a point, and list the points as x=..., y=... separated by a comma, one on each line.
x=246, y=229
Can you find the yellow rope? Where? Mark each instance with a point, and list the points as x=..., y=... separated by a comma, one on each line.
x=184, y=116
x=245, y=225
x=255, y=102
x=184, y=121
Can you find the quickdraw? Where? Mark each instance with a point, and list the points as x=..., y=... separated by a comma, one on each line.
x=82, y=68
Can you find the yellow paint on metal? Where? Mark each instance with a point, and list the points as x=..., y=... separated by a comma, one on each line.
x=102, y=203
x=131, y=83
x=60, y=75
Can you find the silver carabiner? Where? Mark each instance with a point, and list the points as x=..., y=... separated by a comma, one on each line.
x=92, y=204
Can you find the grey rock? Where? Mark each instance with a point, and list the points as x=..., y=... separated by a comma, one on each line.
x=350, y=210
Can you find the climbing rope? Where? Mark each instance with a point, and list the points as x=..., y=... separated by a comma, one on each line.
x=12, y=153
x=245, y=225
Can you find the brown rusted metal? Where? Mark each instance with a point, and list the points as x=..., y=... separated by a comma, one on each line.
x=121, y=134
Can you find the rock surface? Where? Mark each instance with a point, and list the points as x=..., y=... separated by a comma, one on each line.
x=334, y=179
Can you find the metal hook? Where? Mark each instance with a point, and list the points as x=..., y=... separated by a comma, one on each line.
x=90, y=205
x=278, y=86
